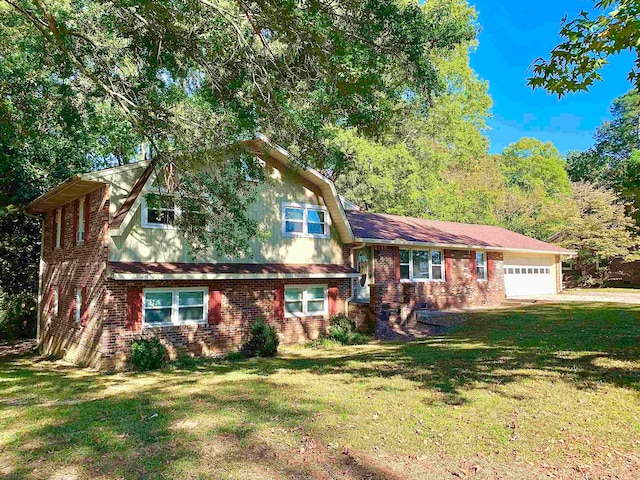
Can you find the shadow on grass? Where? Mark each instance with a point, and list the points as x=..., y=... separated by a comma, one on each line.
x=91, y=427
x=586, y=344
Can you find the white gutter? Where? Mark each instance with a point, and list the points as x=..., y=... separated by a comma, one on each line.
x=376, y=241
x=226, y=276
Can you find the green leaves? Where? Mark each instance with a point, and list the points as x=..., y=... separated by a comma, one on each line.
x=191, y=77
x=575, y=64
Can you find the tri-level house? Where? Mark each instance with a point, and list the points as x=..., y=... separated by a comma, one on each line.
x=114, y=267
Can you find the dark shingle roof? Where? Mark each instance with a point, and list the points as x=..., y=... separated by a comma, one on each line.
x=394, y=228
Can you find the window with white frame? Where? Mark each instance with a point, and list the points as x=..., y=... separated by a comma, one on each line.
x=78, y=305
x=180, y=306
x=405, y=264
x=421, y=265
x=158, y=211
x=81, y=226
x=58, y=227
x=481, y=265
x=305, y=300
x=55, y=301
x=304, y=220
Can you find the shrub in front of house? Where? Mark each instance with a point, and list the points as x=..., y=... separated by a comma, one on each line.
x=148, y=354
x=264, y=340
x=342, y=329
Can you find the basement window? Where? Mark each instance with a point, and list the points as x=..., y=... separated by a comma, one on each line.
x=173, y=307
x=305, y=300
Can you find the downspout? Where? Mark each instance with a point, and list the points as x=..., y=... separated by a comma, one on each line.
x=353, y=290
x=40, y=269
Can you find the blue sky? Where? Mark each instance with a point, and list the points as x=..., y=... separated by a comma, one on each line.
x=515, y=33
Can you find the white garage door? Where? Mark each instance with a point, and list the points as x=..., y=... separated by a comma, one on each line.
x=528, y=274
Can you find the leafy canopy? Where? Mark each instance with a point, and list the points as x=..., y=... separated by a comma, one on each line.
x=589, y=39
x=599, y=228
x=192, y=77
x=614, y=160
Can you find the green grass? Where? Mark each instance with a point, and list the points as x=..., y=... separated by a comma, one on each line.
x=513, y=394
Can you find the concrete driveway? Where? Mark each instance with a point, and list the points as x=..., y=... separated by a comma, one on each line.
x=584, y=296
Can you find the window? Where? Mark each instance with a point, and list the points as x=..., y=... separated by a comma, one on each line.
x=421, y=265
x=481, y=265
x=436, y=265
x=304, y=220
x=58, y=227
x=305, y=300
x=182, y=306
x=78, y=305
x=405, y=263
x=55, y=301
x=158, y=211
x=80, y=231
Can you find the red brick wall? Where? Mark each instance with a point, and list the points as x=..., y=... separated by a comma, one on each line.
x=71, y=267
x=458, y=290
x=243, y=301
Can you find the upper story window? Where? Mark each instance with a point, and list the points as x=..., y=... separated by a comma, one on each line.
x=421, y=265
x=305, y=220
x=58, y=228
x=181, y=306
x=158, y=211
x=81, y=222
x=481, y=265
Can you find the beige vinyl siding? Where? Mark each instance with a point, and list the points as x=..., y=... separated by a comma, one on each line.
x=121, y=182
x=283, y=185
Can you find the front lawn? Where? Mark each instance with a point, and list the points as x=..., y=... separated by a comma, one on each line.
x=542, y=391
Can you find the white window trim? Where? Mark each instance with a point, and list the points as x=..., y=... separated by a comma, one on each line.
x=81, y=225
x=56, y=301
x=485, y=265
x=175, y=322
x=58, y=228
x=305, y=223
x=78, y=305
x=424, y=280
x=145, y=214
x=304, y=313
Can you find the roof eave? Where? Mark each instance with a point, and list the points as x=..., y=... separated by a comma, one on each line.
x=454, y=246
x=64, y=193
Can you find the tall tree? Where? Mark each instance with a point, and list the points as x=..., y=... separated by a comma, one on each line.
x=589, y=40
x=599, y=230
x=428, y=162
x=537, y=187
x=611, y=162
x=195, y=76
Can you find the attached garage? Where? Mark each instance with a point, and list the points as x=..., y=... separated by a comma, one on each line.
x=529, y=274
